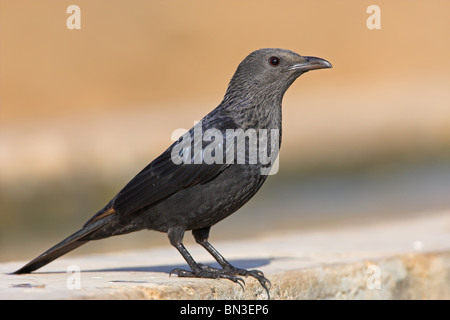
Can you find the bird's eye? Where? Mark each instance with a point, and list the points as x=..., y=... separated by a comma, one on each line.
x=274, y=61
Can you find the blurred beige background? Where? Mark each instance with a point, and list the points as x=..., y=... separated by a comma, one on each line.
x=82, y=111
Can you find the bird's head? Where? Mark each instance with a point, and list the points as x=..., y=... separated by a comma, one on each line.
x=272, y=70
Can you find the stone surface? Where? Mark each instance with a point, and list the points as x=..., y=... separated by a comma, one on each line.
x=407, y=259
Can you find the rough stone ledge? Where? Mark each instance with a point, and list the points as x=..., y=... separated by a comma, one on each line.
x=407, y=259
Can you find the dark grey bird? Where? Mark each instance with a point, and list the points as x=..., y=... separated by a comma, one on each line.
x=174, y=196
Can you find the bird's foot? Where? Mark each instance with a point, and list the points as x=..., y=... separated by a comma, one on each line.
x=257, y=274
x=230, y=273
x=208, y=273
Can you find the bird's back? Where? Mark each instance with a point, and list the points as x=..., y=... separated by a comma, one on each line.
x=200, y=193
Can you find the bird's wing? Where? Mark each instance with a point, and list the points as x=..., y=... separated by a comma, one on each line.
x=162, y=177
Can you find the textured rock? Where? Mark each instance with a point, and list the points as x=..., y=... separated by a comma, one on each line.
x=407, y=259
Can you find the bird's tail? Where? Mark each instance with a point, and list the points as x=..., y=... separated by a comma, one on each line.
x=70, y=243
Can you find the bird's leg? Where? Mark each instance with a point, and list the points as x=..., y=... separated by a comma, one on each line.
x=201, y=237
x=197, y=271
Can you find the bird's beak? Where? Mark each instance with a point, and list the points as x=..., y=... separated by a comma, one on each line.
x=310, y=63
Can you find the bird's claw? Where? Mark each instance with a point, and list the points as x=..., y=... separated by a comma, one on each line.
x=208, y=272
x=231, y=273
x=257, y=274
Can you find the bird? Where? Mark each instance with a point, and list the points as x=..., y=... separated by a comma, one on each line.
x=183, y=190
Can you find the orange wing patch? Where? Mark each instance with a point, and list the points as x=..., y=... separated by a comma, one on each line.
x=108, y=212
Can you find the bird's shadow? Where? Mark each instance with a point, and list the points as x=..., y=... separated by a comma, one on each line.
x=238, y=263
